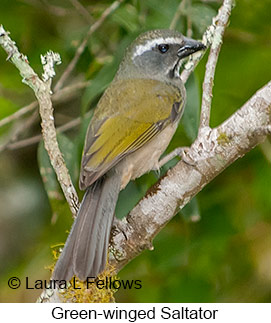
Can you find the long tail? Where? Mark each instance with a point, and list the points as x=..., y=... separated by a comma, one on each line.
x=85, y=251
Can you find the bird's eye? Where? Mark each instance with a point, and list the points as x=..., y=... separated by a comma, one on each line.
x=163, y=48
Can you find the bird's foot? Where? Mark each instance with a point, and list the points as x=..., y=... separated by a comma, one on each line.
x=182, y=152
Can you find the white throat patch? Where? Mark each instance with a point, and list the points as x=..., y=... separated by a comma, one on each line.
x=140, y=49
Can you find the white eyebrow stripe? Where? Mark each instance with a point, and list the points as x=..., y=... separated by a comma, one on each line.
x=151, y=43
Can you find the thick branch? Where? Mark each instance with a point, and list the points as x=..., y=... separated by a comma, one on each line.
x=210, y=154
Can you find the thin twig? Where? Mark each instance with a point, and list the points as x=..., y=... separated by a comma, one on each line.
x=55, y=10
x=189, y=32
x=42, y=90
x=194, y=59
x=62, y=95
x=18, y=129
x=35, y=139
x=45, y=5
x=64, y=76
x=219, y=25
x=177, y=15
x=19, y=113
x=22, y=143
x=12, y=142
x=207, y=40
x=82, y=10
x=82, y=46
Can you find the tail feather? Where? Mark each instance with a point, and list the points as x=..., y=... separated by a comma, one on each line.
x=85, y=251
x=86, y=243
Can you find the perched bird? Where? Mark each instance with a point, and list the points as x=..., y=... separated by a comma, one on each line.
x=132, y=126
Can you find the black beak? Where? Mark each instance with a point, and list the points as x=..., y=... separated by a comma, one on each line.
x=189, y=47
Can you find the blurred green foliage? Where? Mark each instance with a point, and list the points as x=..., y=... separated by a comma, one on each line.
x=219, y=248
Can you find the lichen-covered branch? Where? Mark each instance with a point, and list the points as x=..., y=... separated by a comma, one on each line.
x=214, y=36
x=210, y=154
x=42, y=90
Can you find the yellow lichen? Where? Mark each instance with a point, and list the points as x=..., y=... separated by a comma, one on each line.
x=56, y=253
x=91, y=293
x=223, y=139
x=79, y=291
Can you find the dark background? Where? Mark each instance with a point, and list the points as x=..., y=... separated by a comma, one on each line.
x=219, y=248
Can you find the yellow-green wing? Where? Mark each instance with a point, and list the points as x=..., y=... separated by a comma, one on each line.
x=129, y=114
